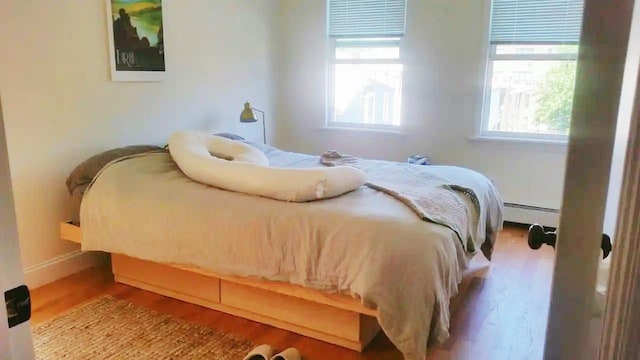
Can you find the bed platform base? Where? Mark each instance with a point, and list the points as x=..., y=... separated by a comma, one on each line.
x=336, y=319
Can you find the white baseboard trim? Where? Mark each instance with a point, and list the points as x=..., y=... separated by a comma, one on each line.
x=61, y=266
x=530, y=214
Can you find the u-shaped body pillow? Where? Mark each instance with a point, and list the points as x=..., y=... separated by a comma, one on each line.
x=240, y=167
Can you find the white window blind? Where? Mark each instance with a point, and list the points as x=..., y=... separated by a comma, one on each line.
x=366, y=18
x=536, y=21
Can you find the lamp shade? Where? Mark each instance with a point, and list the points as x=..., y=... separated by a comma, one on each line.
x=247, y=115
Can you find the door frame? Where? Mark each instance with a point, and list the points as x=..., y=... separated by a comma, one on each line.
x=621, y=324
x=5, y=349
x=603, y=46
x=16, y=343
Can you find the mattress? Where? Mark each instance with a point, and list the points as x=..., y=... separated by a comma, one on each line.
x=366, y=243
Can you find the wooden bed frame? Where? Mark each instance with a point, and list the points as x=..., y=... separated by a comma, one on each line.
x=333, y=318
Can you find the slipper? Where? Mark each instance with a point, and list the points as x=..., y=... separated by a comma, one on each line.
x=262, y=352
x=289, y=354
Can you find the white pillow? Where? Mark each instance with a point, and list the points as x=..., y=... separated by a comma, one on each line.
x=202, y=157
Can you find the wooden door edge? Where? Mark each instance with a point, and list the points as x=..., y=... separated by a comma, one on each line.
x=622, y=308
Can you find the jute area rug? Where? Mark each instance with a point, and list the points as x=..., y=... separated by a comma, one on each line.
x=110, y=328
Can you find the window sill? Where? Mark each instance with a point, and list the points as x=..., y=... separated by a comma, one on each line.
x=518, y=140
x=385, y=131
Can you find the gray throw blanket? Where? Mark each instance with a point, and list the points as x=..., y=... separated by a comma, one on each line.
x=433, y=198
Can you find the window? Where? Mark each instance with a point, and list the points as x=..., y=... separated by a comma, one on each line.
x=531, y=69
x=365, y=68
x=367, y=82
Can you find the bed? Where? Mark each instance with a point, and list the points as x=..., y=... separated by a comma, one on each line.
x=337, y=270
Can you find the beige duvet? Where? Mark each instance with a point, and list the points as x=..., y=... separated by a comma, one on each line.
x=365, y=243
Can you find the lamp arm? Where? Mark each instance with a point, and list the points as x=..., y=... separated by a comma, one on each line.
x=264, y=125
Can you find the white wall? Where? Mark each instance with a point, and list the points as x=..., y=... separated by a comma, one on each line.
x=445, y=52
x=61, y=107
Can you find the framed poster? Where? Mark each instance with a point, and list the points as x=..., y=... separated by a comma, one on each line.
x=136, y=41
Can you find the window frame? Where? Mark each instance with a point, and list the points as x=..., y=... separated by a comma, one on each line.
x=492, y=55
x=366, y=42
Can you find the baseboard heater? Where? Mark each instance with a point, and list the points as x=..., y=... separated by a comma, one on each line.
x=526, y=214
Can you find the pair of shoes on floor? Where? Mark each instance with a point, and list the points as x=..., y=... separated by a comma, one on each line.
x=265, y=352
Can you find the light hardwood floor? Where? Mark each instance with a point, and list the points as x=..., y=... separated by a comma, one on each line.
x=499, y=313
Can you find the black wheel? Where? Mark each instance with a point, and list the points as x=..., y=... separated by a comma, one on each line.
x=536, y=236
x=606, y=246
